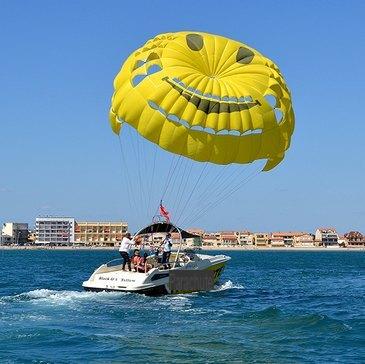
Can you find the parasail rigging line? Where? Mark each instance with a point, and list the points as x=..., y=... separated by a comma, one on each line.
x=220, y=193
x=183, y=190
x=123, y=165
x=169, y=176
x=180, y=184
x=136, y=166
x=152, y=179
x=192, y=191
x=223, y=197
x=216, y=184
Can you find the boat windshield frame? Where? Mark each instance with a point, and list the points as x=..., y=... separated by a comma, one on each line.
x=169, y=229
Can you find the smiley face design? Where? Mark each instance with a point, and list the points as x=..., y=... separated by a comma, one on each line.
x=205, y=97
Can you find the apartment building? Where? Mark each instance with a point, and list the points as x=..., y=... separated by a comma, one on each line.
x=14, y=233
x=246, y=238
x=277, y=240
x=55, y=230
x=304, y=240
x=101, y=233
x=261, y=239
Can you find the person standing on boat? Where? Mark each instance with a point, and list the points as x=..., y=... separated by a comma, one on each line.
x=167, y=246
x=125, y=246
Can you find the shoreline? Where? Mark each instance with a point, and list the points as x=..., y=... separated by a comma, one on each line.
x=98, y=248
x=271, y=248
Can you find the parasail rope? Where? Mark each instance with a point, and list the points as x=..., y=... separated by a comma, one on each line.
x=192, y=192
x=218, y=182
x=182, y=178
x=136, y=167
x=221, y=198
x=122, y=165
x=212, y=189
x=184, y=182
x=152, y=179
x=170, y=196
x=170, y=176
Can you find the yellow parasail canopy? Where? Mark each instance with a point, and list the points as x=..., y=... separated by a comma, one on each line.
x=206, y=97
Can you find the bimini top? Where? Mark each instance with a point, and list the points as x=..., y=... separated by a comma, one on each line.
x=163, y=227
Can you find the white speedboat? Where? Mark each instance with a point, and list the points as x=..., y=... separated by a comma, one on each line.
x=187, y=271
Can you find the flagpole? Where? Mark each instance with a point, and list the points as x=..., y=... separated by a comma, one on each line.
x=178, y=250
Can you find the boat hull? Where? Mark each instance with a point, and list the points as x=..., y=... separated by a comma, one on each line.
x=156, y=281
x=153, y=291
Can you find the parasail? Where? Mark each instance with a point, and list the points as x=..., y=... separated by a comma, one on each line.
x=205, y=97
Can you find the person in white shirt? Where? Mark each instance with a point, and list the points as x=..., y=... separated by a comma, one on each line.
x=167, y=246
x=125, y=246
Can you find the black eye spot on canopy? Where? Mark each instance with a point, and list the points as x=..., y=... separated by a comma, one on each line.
x=244, y=55
x=152, y=56
x=195, y=42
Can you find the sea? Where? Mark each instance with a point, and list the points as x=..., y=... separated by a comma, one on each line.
x=269, y=307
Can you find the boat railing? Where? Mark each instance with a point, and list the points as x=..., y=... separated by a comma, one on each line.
x=116, y=263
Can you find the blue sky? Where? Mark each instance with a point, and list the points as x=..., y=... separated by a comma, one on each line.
x=59, y=157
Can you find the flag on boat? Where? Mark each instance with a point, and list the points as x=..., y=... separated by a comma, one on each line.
x=164, y=212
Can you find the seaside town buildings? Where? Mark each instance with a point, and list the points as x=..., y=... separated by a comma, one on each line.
x=157, y=240
x=99, y=233
x=55, y=230
x=67, y=231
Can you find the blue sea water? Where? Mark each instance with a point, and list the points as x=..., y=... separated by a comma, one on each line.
x=270, y=307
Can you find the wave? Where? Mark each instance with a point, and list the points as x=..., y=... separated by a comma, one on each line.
x=58, y=297
x=275, y=317
x=226, y=286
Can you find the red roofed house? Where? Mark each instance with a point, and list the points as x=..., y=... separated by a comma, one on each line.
x=210, y=239
x=228, y=238
x=304, y=240
x=276, y=240
x=355, y=239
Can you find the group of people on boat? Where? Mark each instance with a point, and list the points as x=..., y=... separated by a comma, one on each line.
x=140, y=262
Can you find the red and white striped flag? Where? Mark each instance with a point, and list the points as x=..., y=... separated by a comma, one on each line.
x=164, y=213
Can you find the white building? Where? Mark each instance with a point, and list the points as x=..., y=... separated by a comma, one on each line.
x=55, y=230
x=304, y=240
x=327, y=237
x=246, y=238
x=14, y=233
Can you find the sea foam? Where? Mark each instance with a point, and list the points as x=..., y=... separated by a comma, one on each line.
x=226, y=286
x=58, y=297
